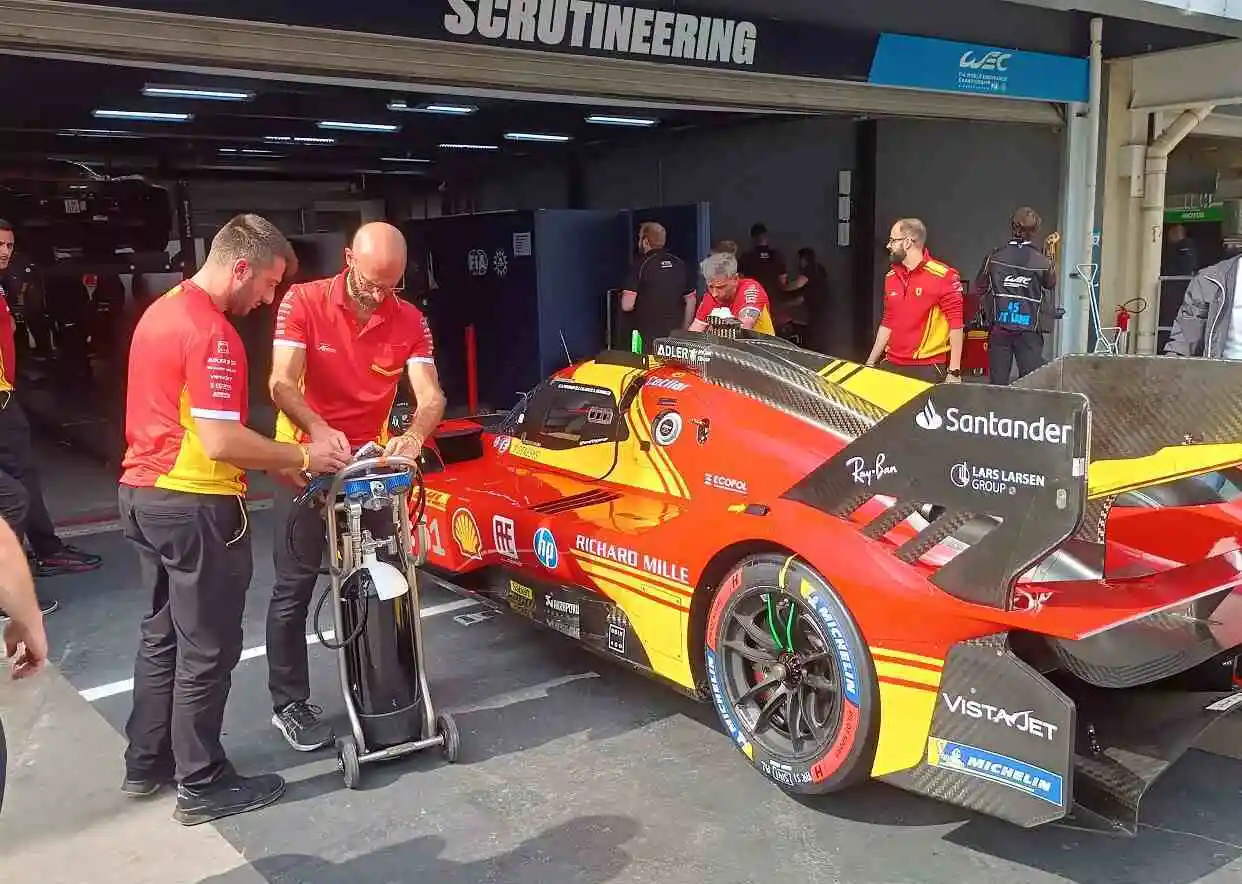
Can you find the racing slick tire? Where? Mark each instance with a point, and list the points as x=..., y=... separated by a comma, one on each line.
x=782, y=647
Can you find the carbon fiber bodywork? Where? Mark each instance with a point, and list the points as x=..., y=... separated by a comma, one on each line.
x=1157, y=646
x=1009, y=742
x=928, y=464
x=1141, y=404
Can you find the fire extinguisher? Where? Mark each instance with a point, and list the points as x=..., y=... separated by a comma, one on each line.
x=1123, y=319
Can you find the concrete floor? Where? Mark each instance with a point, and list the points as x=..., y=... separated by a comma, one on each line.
x=571, y=771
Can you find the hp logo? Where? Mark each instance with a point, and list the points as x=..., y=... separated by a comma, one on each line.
x=545, y=549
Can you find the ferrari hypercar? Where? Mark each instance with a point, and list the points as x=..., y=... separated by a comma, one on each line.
x=869, y=576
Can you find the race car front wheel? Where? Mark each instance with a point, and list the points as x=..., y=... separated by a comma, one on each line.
x=790, y=676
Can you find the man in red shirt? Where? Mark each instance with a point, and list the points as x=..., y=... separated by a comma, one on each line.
x=341, y=347
x=745, y=298
x=921, y=333
x=182, y=497
x=21, y=492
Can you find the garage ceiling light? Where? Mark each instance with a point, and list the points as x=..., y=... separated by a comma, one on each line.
x=458, y=110
x=148, y=116
x=469, y=147
x=403, y=160
x=359, y=127
x=297, y=139
x=97, y=133
x=609, y=120
x=250, y=151
x=191, y=92
x=537, y=136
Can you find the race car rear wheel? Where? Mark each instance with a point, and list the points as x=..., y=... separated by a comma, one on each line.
x=791, y=677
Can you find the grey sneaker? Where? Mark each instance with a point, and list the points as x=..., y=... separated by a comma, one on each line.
x=302, y=727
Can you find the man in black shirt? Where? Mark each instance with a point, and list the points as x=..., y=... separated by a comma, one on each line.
x=660, y=294
x=764, y=263
x=1016, y=287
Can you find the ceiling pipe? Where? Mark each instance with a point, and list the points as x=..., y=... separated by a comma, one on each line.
x=1155, y=173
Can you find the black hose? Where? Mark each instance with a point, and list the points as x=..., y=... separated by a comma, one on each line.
x=358, y=630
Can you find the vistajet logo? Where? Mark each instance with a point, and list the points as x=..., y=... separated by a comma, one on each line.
x=992, y=424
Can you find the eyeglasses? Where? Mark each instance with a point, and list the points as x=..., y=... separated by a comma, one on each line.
x=365, y=286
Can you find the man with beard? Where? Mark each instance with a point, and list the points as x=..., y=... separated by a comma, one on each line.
x=920, y=335
x=183, y=509
x=341, y=347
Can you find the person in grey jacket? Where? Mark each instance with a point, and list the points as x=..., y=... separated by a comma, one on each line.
x=1209, y=323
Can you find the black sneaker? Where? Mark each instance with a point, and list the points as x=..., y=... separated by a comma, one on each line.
x=144, y=785
x=302, y=728
x=231, y=795
x=66, y=560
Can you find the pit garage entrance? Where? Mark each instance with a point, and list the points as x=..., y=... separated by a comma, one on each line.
x=484, y=138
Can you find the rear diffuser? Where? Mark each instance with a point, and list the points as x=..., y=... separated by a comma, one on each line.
x=1126, y=740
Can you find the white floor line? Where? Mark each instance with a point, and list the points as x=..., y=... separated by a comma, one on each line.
x=104, y=691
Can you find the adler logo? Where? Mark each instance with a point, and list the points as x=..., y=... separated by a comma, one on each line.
x=989, y=61
x=955, y=420
x=606, y=27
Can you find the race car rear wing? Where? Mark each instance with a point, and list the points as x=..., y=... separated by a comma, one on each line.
x=1154, y=419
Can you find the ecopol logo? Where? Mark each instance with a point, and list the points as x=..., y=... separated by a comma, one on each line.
x=957, y=421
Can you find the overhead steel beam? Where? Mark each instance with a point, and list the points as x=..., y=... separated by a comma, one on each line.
x=1183, y=78
x=1222, y=17
x=375, y=61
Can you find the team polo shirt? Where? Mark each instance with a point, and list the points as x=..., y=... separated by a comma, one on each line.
x=352, y=371
x=186, y=362
x=921, y=307
x=750, y=299
x=8, y=345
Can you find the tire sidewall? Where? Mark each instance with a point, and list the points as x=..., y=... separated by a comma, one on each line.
x=849, y=755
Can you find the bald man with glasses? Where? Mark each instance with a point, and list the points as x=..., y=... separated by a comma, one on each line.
x=341, y=347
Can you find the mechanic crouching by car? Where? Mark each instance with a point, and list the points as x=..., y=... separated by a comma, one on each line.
x=744, y=298
x=341, y=347
x=920, y=334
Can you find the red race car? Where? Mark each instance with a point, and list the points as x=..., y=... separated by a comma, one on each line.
x=868, y=576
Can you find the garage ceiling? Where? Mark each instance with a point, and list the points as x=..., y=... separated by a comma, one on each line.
x=86, y=112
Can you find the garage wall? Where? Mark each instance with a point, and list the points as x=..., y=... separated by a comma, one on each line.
x=783, y=173
x=287, y=204
x=964, y=180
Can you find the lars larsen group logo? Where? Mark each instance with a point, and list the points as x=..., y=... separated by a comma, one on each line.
x=955, y=420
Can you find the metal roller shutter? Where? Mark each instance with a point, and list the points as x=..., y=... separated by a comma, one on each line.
x=43, y=27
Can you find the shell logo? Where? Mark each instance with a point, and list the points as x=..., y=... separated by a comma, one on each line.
x=466, y=533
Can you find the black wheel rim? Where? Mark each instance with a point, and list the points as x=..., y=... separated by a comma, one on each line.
x=780, y=674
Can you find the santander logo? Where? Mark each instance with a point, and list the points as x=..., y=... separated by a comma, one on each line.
x=929, y=418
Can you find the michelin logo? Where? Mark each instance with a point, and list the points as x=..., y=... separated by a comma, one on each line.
x=971, y=761
x=993, y=425
x=606, y=27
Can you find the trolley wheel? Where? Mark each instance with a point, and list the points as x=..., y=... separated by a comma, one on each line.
x=447, y=728
x=347, y=761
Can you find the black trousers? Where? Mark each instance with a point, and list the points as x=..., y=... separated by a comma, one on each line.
x=1005, y=347
x=21, y=492
x=195, y=559
x=297, y=553
x=932, y=374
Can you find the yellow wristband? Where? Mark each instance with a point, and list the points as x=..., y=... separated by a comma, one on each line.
x=305, y=457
